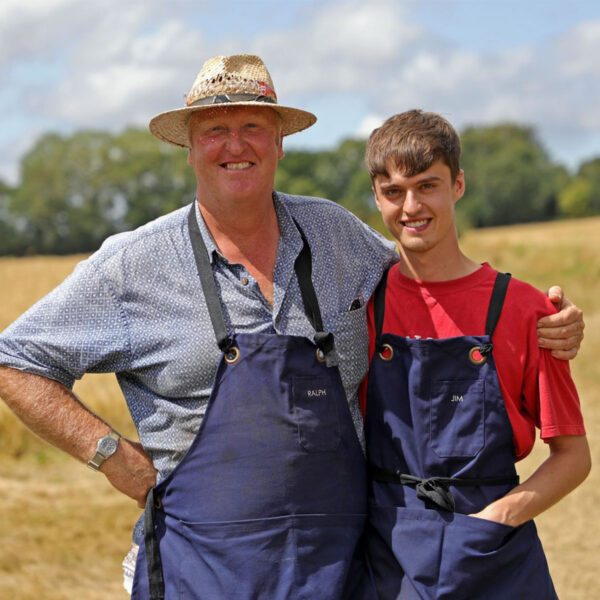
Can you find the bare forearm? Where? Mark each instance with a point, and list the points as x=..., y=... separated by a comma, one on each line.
x=52, y=412
x=565, y=468
x=55, y=414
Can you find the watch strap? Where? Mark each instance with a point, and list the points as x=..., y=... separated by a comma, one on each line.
x=99, y=457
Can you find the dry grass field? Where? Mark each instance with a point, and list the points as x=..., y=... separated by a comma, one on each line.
x=64, y=530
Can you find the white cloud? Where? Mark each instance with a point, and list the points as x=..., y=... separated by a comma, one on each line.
x=580, y=49
x=33, y=28
x=137, y=77
x=344, y=46
x=367, y=125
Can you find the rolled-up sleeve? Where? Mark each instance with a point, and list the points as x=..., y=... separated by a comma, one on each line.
x=79, y=327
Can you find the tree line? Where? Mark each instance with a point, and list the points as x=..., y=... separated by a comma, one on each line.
x=77, y=190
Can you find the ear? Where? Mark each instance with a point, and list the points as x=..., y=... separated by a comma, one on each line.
x=459, y=186
x=377, y=203
x=280, y=152
x=189, y=156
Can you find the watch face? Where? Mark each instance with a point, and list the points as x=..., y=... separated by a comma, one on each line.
x=107, y=445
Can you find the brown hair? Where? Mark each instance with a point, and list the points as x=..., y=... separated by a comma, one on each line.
x=413, y=140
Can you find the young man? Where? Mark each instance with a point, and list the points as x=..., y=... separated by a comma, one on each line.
x=457, y=386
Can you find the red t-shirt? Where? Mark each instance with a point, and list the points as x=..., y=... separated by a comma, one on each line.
x=537, y=388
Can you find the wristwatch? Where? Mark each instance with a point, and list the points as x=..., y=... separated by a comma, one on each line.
x=106, y=447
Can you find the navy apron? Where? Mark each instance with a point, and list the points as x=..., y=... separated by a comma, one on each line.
x=270, y=500
x=440, y=446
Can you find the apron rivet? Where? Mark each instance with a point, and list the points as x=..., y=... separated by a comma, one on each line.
x=232, y=355
x=386, y=353
x=476, y=357
x=321, y=355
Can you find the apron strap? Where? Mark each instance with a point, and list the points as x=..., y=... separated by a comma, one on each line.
x=493, y=315
x=494, y=310
x=435, y=489
x=153, y=560
x=379, y=307
x=208, y=282
x=303, y=269
x=496, y=302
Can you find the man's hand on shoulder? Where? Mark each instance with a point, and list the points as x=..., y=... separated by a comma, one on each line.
x=562, y=332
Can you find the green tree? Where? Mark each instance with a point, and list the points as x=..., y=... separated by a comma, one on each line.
x=509, y=177
x=339, y=175
x=11, y=240
x=576, y=198
x=78, y=190
x=582, y=195
x=295, y=174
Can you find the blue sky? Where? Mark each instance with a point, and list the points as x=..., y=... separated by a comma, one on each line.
x=67, y=65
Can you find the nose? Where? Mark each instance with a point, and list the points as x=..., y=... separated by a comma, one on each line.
x=235, y=141
x=411, y=204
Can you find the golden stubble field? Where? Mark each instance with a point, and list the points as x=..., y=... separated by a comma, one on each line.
x=64, y=530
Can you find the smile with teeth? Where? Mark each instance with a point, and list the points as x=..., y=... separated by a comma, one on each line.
x=237, y=166
x=416, y=224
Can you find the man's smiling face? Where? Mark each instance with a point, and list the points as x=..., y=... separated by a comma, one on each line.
x=419, y=210
x=234, y=152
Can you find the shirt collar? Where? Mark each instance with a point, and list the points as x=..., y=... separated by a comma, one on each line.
x=209, y=242
x=289, y=241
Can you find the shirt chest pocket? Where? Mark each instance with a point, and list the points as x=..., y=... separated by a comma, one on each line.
x=352, y=345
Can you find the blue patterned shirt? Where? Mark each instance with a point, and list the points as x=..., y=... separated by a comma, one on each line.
x=136, y=308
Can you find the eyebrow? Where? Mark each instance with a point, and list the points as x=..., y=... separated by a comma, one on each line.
x=429, y=179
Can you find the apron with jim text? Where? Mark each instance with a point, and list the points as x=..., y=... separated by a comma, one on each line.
x=440, y=447
x=269, y=502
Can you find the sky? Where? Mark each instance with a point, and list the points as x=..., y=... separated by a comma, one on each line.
x=67, y=65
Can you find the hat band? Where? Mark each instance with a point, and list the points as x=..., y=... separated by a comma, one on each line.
x=226, y=98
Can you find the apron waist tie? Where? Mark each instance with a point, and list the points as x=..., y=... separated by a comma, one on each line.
x=435, y=489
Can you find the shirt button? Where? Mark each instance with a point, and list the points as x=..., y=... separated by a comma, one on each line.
x=277, y=318
x=244, y=281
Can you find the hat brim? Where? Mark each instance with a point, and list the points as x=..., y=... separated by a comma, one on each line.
x=172, y=126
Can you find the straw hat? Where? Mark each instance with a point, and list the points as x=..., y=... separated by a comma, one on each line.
x=240, y=80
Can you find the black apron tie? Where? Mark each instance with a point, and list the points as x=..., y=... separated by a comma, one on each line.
x=435, y=489
x=153, y=559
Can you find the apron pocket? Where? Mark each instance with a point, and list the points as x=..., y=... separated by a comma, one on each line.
x=457, y=418
x=305, y=556
x=485, y=560
x=315, y=412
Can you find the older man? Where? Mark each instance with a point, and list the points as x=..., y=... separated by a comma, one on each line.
x=237, y=331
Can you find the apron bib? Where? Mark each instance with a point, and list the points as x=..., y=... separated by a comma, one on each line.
x=269, y=502
x=440, y=446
